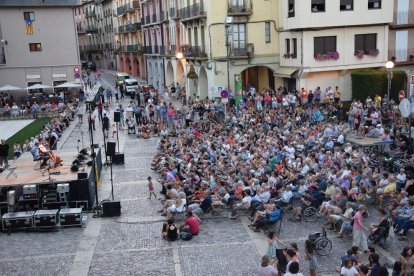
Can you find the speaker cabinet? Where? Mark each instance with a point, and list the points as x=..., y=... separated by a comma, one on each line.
x=117, y=116
x=110, y=149
x=118, y=159
x=82, y=176
x=111, y=209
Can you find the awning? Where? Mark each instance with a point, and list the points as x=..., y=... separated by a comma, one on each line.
x=285, y=72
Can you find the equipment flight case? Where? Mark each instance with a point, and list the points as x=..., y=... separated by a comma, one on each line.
x=17, y=220
x=46, y=218
x=70, y=217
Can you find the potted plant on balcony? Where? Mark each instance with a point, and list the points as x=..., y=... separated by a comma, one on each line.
x=374, y=52
x=333, y=55
x=293, y=55
x=359, y=53
x=286, y=55
x=321, y=57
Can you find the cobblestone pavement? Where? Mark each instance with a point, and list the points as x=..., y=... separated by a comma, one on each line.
x=131, y=244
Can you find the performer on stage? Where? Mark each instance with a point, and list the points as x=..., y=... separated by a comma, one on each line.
x=38, y=154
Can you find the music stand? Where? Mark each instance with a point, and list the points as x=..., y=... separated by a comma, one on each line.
x=11, y=171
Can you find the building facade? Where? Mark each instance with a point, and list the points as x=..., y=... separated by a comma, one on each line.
x=105, y=23
x=401, y=35
x=153, y=14
x=129, y=38
x=38, y=42
x=320, y=45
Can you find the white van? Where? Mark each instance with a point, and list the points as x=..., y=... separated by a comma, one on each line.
x=131, y=85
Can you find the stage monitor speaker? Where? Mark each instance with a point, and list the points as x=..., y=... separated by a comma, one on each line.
x=74, y=168
x=110, y=149
x=111, y=209
x=82, y=176
x=117, y=116
x=118, y=159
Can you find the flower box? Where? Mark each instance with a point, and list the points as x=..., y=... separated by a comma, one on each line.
x=373, y=53
x=286, y=55
x=359, y=54
x=328, y=56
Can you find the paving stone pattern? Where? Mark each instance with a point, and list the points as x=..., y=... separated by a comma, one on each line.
x=152, y=263
x=223, y=260
x=51, y=266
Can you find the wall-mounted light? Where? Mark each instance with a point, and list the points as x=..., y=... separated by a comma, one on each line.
x=3, y=41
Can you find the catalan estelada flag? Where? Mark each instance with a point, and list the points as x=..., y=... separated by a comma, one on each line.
x=29, y=27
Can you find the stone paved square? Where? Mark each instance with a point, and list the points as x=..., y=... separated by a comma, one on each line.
x=24, y=244
x=210, y=260
x=121, y=236
x=50, y=266
x=142, y=262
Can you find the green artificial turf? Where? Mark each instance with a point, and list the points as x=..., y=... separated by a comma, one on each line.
x=31, y=130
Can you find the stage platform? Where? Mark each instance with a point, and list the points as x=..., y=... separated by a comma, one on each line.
x=27, y=174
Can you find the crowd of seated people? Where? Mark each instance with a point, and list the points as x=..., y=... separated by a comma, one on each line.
x=268, y=157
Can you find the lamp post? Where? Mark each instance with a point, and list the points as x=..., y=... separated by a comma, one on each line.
x=228, y=24
x=389, y=65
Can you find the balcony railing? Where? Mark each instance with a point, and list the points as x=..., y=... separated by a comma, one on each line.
x=401, y=55
x=136, y=5
x=121, y=10
x=80, y=30
x=195, y=52
x=148, y=19
x=239, y=52
x=154, y=18
x=162, y=16
x=403, y=18
x=93, y=47
x=173, y=13
x=91, y=29
x=193, y=11
x=89, y=13
x=173, y=50
x=245, y=8
x=108, y=46
x=161, y=50
x=148, y=50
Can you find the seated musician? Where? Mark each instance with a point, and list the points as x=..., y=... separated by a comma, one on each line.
x=39, y=155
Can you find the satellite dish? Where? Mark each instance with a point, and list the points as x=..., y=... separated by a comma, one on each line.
x=405, y=108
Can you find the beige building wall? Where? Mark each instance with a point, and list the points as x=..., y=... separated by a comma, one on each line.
x=55, y=29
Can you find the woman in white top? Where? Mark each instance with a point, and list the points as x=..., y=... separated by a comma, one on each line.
x=178, y=206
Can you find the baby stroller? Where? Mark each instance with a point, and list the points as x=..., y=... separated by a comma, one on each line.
x=380, y=235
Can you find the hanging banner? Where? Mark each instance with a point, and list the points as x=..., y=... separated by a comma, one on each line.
x=238, y=89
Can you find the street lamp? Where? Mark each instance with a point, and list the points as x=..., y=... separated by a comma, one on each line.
x=389, y=65
x=227, y=25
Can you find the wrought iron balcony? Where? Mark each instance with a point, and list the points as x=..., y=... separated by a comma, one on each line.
x=193, y=12
x=121, y=10
x=147, y=50
x=90, y=13
x=173, y=13
x=154, y=18
x=239, y=52
x=245, y=8
x=91, y=29
x=195, y=52
x=148, y=19
x=136, y=5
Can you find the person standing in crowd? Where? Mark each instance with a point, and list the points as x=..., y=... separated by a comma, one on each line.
x=4, y=152
x=310, y=256
x=92, y=118
x=337, y=95
x=360, y=230
x=105, y=125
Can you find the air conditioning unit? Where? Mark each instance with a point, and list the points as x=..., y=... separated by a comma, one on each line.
x=376, y=5
x=250, y=49
x=348, y=7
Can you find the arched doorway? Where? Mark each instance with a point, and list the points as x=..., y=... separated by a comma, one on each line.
x=202, y=83
x=261, y=77
x=135, y=67
x=121, y=64
x=170, y=74
x=161, y=78
x=179, y=74
x=192, y=84
x=150, y=77
x=128, y=68
x=155, y=76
